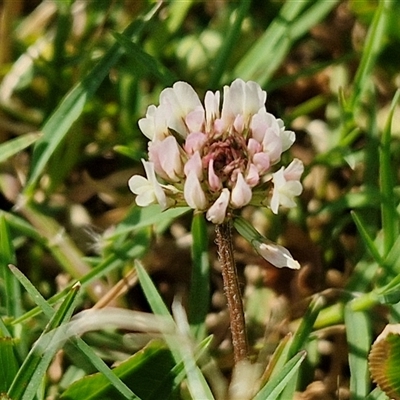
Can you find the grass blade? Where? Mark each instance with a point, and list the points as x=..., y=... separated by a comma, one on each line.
x=200, y=281
x=14, y=146
x=13, y=301
x=372, y=48
x=359, y=342
x=276, y=385
x=146, y=61
x=29, y=376
x=59, y=123
x=390, y=220
x=197, y=384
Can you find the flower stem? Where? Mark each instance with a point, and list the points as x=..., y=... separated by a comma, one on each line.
x=232, y=291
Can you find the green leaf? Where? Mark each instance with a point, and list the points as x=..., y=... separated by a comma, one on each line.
x=71, y=107
x=14, y=146
x=138, y=372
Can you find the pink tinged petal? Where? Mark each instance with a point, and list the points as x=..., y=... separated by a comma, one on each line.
x=294, y=170
x=180, y=100
x=238, y=123
x=195, y=119
x=262, y=162
x=213, y=180
x=275, y=254
x=194, y=164
x=252, y=177
x=265, y=128
x=166, y=157
x=194, y=141
x=193, y=192
x=241, y=193
x=219, y=125
x=253, y=147
x=217, y=212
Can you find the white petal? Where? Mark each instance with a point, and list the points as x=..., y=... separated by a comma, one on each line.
x=294, y=170
x=138, y=184
x=241, y=193
x=217, y=212
x=211, y=103
x=277, y=255
x=193, y=192
x=154, y=126
x=156, y=187
x=180, y=100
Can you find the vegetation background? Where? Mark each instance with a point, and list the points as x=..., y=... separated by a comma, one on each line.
x=75, y=77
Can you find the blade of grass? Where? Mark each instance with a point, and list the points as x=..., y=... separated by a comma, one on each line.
x=252, y=65
x=390, y=220
x=372, y=48
x=102, y=367
x=12, y=290
x=115, y=260
x=359, y=342
x=33, y=292
x=276, y=384
x=79, y=343
x=197, y=384
x=228, y=45
x=277, y=40
x=14, y=146
x=145, y=60
x=8, y=363
x=33, y=369
x=367, y=238
x=60, y=245
x=200, y=280
x=59, y=123
x=302, y=333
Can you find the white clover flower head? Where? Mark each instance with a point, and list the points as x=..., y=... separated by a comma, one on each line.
x=216, y=157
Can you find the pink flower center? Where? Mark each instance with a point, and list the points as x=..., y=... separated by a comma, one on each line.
x=229, y=155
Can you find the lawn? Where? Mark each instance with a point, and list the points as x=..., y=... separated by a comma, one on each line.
x=237, y=263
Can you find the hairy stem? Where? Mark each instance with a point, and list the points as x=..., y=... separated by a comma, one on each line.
x=232, y=291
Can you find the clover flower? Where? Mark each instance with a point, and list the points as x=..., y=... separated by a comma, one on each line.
x=216, y=159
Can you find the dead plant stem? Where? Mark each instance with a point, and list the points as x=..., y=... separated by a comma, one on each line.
x=232, y=291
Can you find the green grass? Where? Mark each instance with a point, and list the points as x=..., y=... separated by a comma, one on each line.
x=75, y=80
